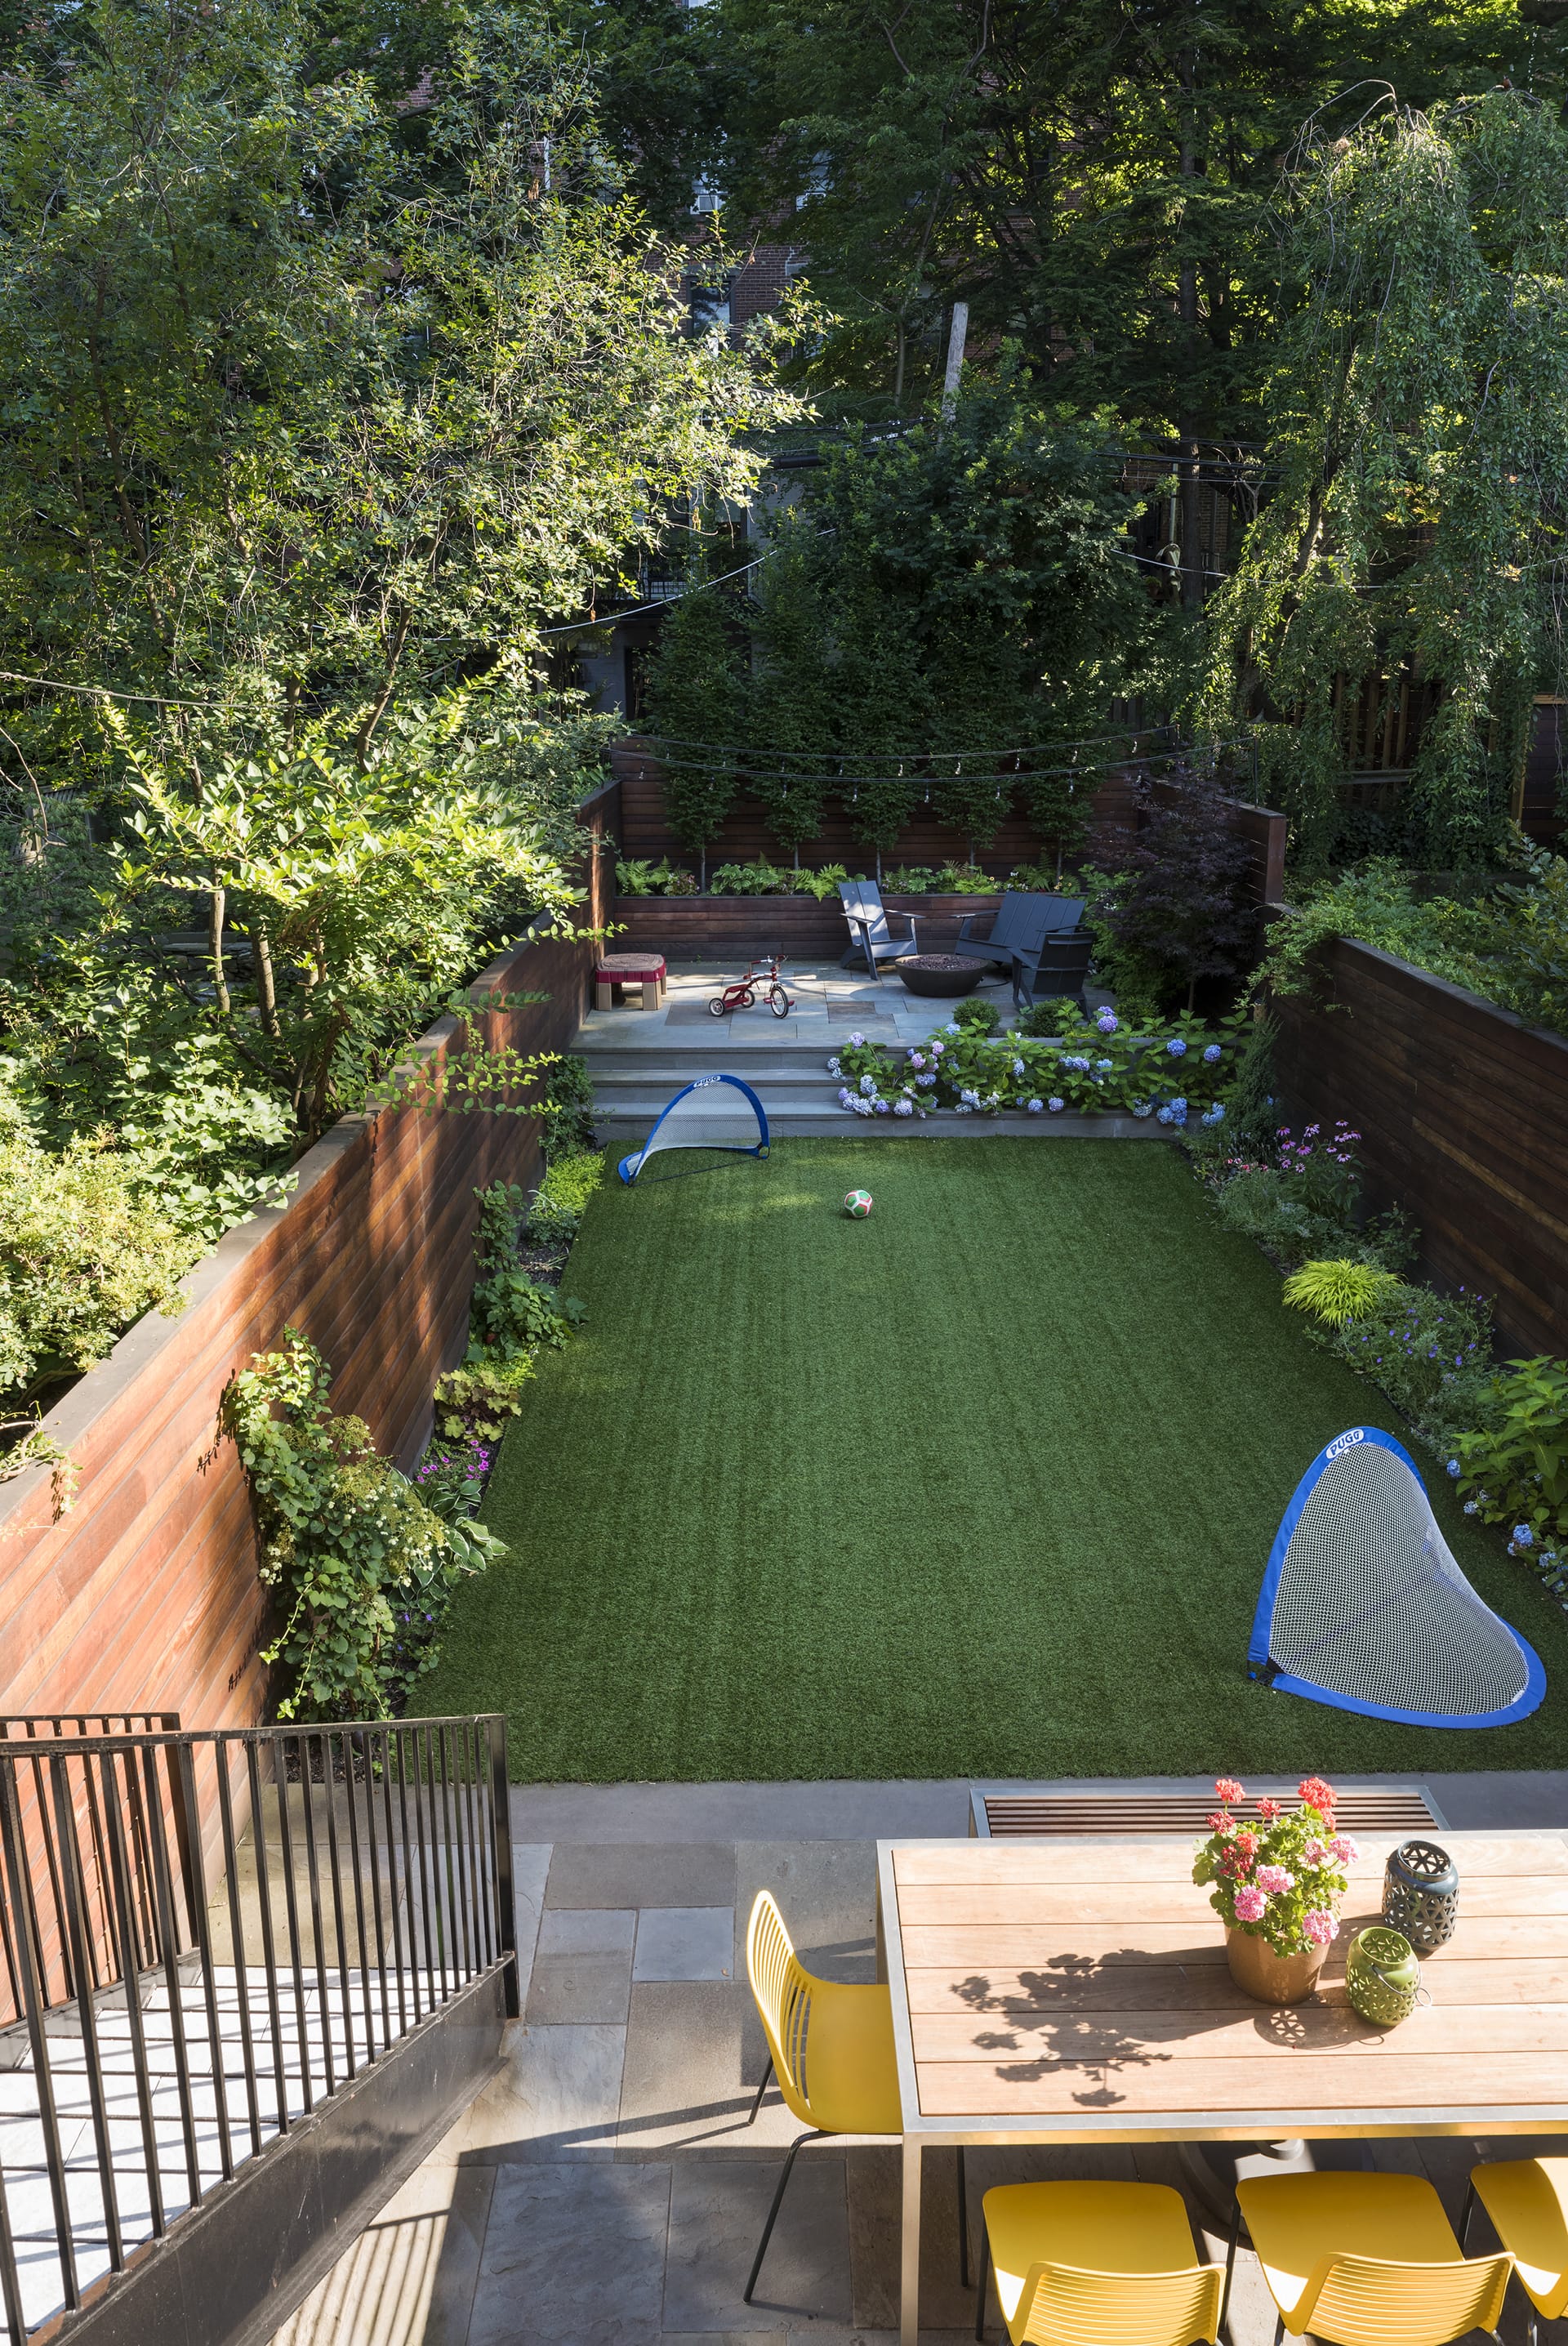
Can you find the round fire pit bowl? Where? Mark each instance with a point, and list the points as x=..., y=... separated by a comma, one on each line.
x=946, y=975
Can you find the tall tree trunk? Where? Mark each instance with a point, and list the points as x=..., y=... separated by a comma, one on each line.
x=1190, y=492
x=266, y=986
x=215, y=935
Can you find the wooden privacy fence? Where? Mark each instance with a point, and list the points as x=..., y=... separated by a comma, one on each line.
x=146, y=1593
x=1463, y=1111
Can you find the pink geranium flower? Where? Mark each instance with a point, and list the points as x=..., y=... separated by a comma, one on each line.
x=1251, y=1902
x=1268, y=1810
x=1318, y=1794
x=1275, y=1879
x=1314, y=1854
x=1343, y=1849
x=1321, y=1926
x=1229, y=1789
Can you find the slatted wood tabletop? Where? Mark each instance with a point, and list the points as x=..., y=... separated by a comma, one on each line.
x=1051, y=1983
x=1077, y=1992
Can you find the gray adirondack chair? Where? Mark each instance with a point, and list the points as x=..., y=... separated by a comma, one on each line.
x=870, y=934
x=1021, y=922
x=1055, y=967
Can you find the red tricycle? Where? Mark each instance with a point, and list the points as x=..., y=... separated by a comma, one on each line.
x=761, y=977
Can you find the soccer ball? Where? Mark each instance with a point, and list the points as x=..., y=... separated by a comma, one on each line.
x=858, y=1204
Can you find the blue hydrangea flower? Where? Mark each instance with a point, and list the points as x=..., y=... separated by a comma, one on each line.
x=903, y=1107
x=917, y=1058
x=1524, y=1537
x=834, y=1068
x=1179, y=1106
x=1470, y=1508
x=1018, y=1066
x=883, y=1107
x=1212, y=1054
x=963, y=1108
x=1454, y=1469
x=855, y=1041
x=952, y=1027
x=970, y=1099
x=1104, y=1063
x=1107, y=1021
x=1034, y=1106
x=868, y=1083
x=925, y=1082
x=1143, y=1107
x=1079, y=1066
x=1055, y=1106
x=1176, y=1048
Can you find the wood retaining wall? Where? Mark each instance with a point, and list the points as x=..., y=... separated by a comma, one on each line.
x=146, y=1595
x=1464, y=1114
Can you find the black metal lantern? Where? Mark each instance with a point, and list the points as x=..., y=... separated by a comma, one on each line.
x=1420, y=1894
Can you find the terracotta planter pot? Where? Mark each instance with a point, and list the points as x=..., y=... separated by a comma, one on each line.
x=1258, y=1972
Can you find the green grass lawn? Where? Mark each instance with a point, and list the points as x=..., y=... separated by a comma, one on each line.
x=983, y=1486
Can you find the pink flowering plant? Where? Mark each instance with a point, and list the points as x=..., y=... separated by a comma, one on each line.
x=1282, y=1878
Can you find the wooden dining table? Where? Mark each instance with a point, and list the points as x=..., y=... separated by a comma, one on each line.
x=1077, y=1990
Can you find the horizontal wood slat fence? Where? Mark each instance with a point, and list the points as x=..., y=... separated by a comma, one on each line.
x=146, y=1593
x=1463, y=1111
x=724, y=927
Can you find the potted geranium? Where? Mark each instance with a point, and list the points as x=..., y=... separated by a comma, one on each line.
x=1278, y=1887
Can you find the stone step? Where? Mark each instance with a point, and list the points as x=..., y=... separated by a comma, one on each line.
x=621, y=1126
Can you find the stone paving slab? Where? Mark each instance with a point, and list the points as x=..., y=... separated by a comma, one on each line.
x=607, y=2189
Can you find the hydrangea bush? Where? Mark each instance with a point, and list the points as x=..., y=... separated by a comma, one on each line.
x=1092, y=1066
x=1283, y=1879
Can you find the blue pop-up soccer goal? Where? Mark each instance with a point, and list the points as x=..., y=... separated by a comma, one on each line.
x=1364, y=1607
x=712, y=1112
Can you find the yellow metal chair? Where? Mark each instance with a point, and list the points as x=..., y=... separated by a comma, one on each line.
x=1110, y=2262
x=1359, y=2259
x=830, y=2046
x=1527, y=2201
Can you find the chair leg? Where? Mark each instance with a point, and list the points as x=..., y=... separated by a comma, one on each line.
x=984, y=2280
x=1230, y=2261
x=962, y=2224
x=1279, y=2331
x=1464, y=2219
x=815, y=2135
x=762, y=2088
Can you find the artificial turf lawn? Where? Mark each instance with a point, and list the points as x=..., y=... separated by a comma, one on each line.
x=980, y=1486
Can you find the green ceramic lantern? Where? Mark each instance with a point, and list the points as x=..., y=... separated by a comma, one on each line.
x=1382, y=1976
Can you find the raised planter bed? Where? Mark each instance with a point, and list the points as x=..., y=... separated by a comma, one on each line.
x=728, y=928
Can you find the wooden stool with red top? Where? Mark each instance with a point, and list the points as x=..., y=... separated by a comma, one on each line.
x=627, y=970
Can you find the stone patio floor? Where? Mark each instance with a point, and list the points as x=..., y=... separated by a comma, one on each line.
x=605, y=2191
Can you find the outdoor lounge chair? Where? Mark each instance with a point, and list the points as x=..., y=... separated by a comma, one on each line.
x=1056, y=966
x=862, y=904
x=1022, y=921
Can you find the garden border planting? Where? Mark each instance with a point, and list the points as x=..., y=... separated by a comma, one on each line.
x=1463, y=1111
x=147, y=1590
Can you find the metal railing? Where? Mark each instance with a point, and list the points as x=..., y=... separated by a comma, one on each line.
x=204, y=1936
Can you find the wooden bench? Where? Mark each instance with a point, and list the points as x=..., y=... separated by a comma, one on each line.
x=1050, y=1812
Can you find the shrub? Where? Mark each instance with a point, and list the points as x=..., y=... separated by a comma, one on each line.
x=507, y=1312
x=1336, y=1290
x=474, y=1403
x=568, y=1109
x=977, y=1018
x=1431, y=1355
x=1186, y=910
x=364, y=1568
x=1268, y=1208
x=561, y=1200
x=1514, y=1469
x=84, y=1249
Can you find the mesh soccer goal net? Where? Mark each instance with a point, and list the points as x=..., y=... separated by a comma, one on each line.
x=713, y=1112
x=1364, y=1607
